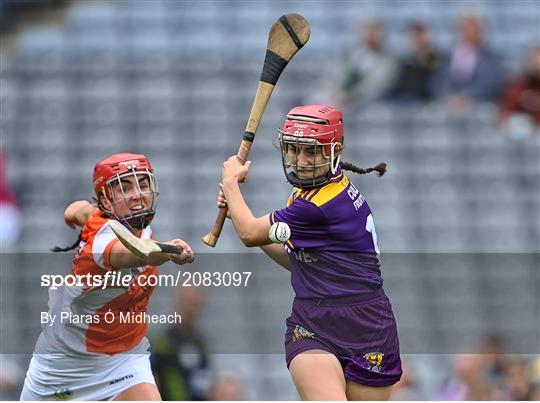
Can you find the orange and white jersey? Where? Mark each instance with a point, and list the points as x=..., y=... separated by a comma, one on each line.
x=88, y=317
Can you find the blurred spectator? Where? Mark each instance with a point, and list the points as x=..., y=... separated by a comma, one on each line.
x=227, y=386
x=521, y=101
x=180, y=359
x=535, y=377
x=473, y=72
x=368, y=71
x=11, y=379
x=407, y=387
x=10, y=216
x=492, y=349
x=414, y=80
x=516, y=384
x=468, y=380
x=15, y=13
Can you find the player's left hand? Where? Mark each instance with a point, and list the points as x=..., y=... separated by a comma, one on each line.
x=232, y=169
x=222, y=201
x=187, y=255
x=78, y=212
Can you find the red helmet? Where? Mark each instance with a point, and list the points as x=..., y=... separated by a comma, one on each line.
x=317, y=125
x=112, y=170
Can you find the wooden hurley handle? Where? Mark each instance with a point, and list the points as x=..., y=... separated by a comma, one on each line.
x=167, y=248
x=264, y=90
x=287, y=35
x=212, y=237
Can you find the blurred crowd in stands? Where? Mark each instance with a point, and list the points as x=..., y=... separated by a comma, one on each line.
x=181, y=359
x=469, y=73
x=486, y=374
x=15, y=12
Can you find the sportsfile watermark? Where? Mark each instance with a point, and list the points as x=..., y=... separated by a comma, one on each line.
x=115, y=279
x=442, y=303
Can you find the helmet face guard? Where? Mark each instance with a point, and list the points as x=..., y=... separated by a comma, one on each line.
x=318, y=127
x=122, y=196
x=292, y=168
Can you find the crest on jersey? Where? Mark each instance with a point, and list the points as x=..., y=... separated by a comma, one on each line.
x=300, y=333
x=63, y=394
x=374, y=360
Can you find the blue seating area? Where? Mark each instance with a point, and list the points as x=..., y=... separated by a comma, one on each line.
x=175, y=80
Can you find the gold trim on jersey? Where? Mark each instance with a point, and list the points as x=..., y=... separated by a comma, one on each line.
x=295, y=194
x=330, y=191
x=320, y=195
x=309, y=193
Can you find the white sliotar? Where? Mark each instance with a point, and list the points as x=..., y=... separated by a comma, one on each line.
x=279, y=232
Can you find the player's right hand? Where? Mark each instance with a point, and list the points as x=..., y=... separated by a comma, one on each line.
x=187, y=255
x=232, y=168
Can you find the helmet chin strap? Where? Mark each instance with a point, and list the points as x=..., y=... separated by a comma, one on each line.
x=334, y=161
x=138, y=221
x=309, y=183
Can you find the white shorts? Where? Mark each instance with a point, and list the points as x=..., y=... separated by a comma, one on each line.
x=62, y=377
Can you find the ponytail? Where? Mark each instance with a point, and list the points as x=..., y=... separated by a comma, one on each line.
x=380, y=168
x=68, y=248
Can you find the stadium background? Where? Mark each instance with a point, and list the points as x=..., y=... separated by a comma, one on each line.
x=457, y=215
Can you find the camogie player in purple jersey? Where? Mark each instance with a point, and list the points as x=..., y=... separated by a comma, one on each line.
x=341, y=340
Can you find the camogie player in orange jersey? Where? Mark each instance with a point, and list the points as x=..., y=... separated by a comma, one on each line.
x=93, y=345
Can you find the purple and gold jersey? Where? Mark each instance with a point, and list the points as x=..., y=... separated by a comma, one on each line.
x=333, y=244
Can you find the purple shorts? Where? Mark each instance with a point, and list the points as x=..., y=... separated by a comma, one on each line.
x=359, y=330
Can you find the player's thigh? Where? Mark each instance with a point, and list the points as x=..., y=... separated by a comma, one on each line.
x=356, y=391
x=141, y=391
x=318, y=375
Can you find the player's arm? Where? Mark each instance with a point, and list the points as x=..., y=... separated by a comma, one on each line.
x=120, y=256
x=252, y=231
x=275, y=251
x=78, y=213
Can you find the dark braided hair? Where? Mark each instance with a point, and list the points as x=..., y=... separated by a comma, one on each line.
x=68, y=248
x=380, y=168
